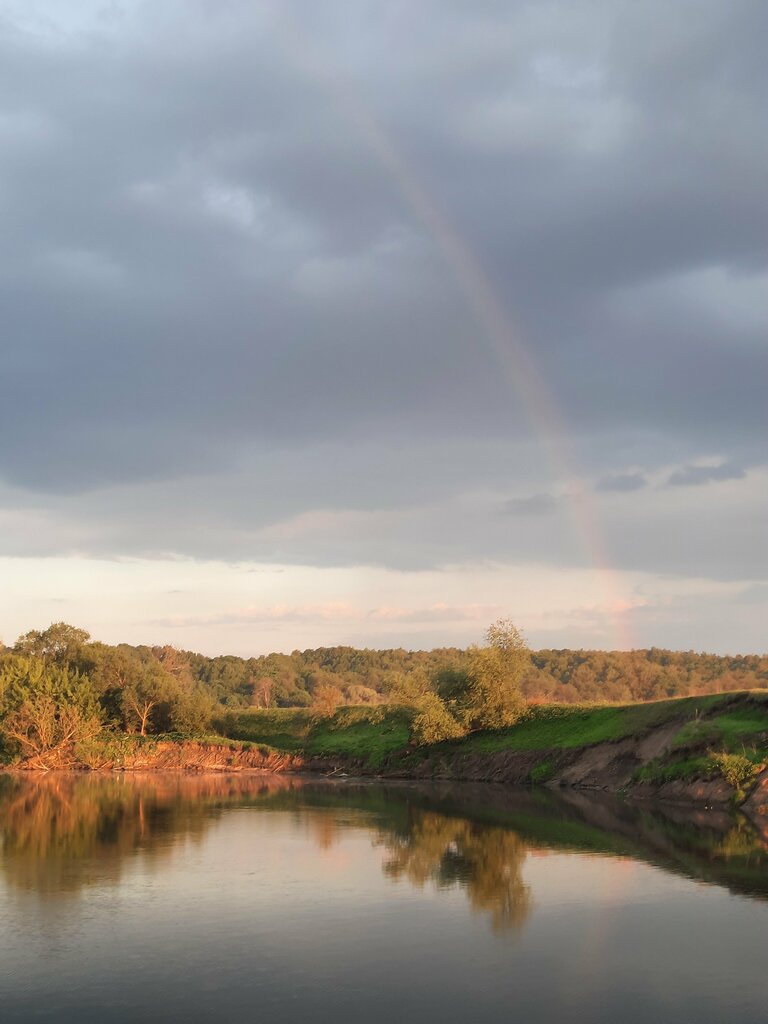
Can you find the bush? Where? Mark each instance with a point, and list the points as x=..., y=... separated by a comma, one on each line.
x=45, y=711
x=191, y=712
x=107, y=750
x=325, y=699
x=735, y=769
x=494, y=699
x=433, y=723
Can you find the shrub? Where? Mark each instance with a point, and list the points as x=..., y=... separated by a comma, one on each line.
x=106, y=750
x=433, y=723
x=46, y=710
x=735, y=769
x=325, y=699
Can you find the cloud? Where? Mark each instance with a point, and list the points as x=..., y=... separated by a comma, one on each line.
x=622, y=482
x=697, y=475
x=261, y=251
x=535, y=505
x=251, y=253
x=336, y=612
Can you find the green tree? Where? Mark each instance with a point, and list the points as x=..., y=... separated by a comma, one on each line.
x=191, y=710
x=431, y=719
x=60, y=643
x=145, y=699
x=494, y=697
x=325, y=699
x=433, y=722
x=45, y=711
x=487, y=693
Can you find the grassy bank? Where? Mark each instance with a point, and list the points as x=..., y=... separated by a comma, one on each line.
x=368, y=734
x=733, y=724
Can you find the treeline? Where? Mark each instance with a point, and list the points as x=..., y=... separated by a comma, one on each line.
x=181, y=686
x=60, y=691
x=567, y=676
x=622, y=676
x=62, y=696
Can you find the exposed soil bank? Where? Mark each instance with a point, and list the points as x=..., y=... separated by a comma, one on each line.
x=610, y=767
x=168, y=755
x=676, y=751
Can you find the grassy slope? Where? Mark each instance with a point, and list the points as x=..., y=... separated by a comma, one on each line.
x=735, y=722
x=370, y=734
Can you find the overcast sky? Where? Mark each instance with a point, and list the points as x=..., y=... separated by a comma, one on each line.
x=369, y=323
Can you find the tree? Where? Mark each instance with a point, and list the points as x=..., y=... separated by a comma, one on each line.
x=45, y=711
x=494, y=697
x=191, y=710
x=358, y=694
x=433, y=722
x=487, y=694
x=143, y=696
x=60, y=643
x=174, y=662
x=326, y=699
x=261, y=691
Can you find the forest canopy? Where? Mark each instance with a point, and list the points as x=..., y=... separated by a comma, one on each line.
x=363, y=676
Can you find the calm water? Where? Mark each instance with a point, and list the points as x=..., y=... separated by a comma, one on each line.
x=232, y=898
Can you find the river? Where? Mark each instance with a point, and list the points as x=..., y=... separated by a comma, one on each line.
x=233, y=897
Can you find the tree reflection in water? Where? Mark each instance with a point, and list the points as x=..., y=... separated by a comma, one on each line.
x=63, y=832
x=486, y=862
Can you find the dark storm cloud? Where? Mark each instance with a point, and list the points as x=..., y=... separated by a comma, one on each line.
x=212, y=259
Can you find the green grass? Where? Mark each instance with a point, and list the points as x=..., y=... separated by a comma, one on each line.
x=660, y=770
x=742, y=726
x=730, y=722
x=542, y=771
x=368, y=734
x=283, y=728
x=567, y=726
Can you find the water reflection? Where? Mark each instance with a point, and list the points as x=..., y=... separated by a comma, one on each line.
x=205, y=897
x=452, y=852
x=60, y=833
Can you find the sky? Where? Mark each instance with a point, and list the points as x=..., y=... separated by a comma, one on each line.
x=371, y=323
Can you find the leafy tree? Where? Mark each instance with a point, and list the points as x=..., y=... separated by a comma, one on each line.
x=494, y=699
x=60, y=643
x=45, y=711
x=326, y=699
x=261, y=694
x=144, y=697
x=487, y=693
x=362, y=694
x=433, y=722
x=191, y=711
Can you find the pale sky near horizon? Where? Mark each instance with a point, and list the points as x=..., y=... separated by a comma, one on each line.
x=371, y=323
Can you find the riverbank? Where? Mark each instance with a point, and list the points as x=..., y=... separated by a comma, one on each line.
x=710, y=750
x=703, y=751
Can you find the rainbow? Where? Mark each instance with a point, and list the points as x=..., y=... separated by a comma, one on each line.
x=503, y=339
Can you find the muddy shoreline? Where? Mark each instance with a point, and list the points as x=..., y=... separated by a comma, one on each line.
x=605, y=767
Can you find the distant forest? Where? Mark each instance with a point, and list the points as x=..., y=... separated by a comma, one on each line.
x=139, y=675
x=363, y=676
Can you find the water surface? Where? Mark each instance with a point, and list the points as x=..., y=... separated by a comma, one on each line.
x=234, y=898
